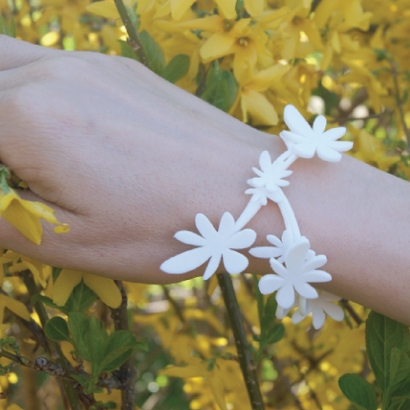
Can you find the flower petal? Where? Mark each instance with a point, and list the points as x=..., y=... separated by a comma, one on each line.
x=265, y=252
x=186, y=261
x=270, y=283
x=318, y=318
x=212, y=266
x=234, y=262
x=328, y=154
x=104, y=288
x=319, y=125
x=205, y=227
x=274, y=240
x=314, y=263
x=226, y=226
x=278, y=268
x=295, y=121
x=296, y=254
x=242, y=239
x=190, y=238
x=317, y=276
x=334, y=133
x=67, y=280
x=286, y=296
x=265, y=161
x=305, y=149
x=334, y=311
x=305, y=290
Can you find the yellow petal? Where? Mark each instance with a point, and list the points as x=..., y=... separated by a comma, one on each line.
x=268, y=77
x=210, y=23
x=27, y=223
x=105, y=288
x=63, y=228
x=244, y=60
x=218, y=45
x=217, y=387
x=227, y=7
x=254, y=7
x=213, y=283
x=180, y=7
x=41, y=210
x=260, y=108
x=104, y=8
x=67, y=280
x=16, y=307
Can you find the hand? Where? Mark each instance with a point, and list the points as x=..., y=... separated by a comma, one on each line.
x=123, y=156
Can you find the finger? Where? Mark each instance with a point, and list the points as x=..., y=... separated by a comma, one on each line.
x=16, y=53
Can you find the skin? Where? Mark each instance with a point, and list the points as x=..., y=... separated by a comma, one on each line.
x=127, y=159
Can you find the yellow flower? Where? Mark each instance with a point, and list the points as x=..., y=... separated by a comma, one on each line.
x=198, y=368
x=245, y=41
x=68, y=279
x=15, y=306
x=252, y=93
x=25, y=215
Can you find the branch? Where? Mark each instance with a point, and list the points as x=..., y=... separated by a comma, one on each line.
x=127, y=373
x=134, y=38
x=399, y=102
x=244, y=354
x=69, y=395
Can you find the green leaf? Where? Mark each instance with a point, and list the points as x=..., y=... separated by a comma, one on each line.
x=176, y=68
x=79, y=328
x=80, y=378
x=153, y=52
x=8, y=29
x=275, y=334
x=81, y=298
x=269, y=313
x=119, y=346
x=259, y=299
x=399, y=373
x=359, y=391
x=382, y=335
x=221, y=92
x=48, y=302
x=127, y=50
x=57, y=330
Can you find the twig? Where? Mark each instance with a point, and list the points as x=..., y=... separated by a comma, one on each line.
x=132, y=33
x=174, y=304
x=68, y=392
x=244, y=354
x=127, y=373
x=345, y=303
x=399, y=102
x=348, y=119
x=279, y=368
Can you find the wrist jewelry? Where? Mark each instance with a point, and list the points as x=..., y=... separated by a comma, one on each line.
x=294, y=263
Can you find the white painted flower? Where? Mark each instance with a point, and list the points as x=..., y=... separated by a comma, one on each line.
x=296, y=275
x=319, y=308
x=279, y=248
x=269, y=180
x=305, y=141
x=215, y=245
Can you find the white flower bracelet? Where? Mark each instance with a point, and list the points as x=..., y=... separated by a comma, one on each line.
x=294, y=263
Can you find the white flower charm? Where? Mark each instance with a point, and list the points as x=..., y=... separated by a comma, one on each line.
x=269, y=180
x=305, y=141
x=214, y=245
x=279, y=248
x=319, y=308
x=295, y=276
x=294, y=263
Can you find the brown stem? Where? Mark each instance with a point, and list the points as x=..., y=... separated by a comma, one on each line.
x=132, y=33
x=244, y=355
x=68, y=392
x=399, y=102
x=345, y=303
x=127, y=373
